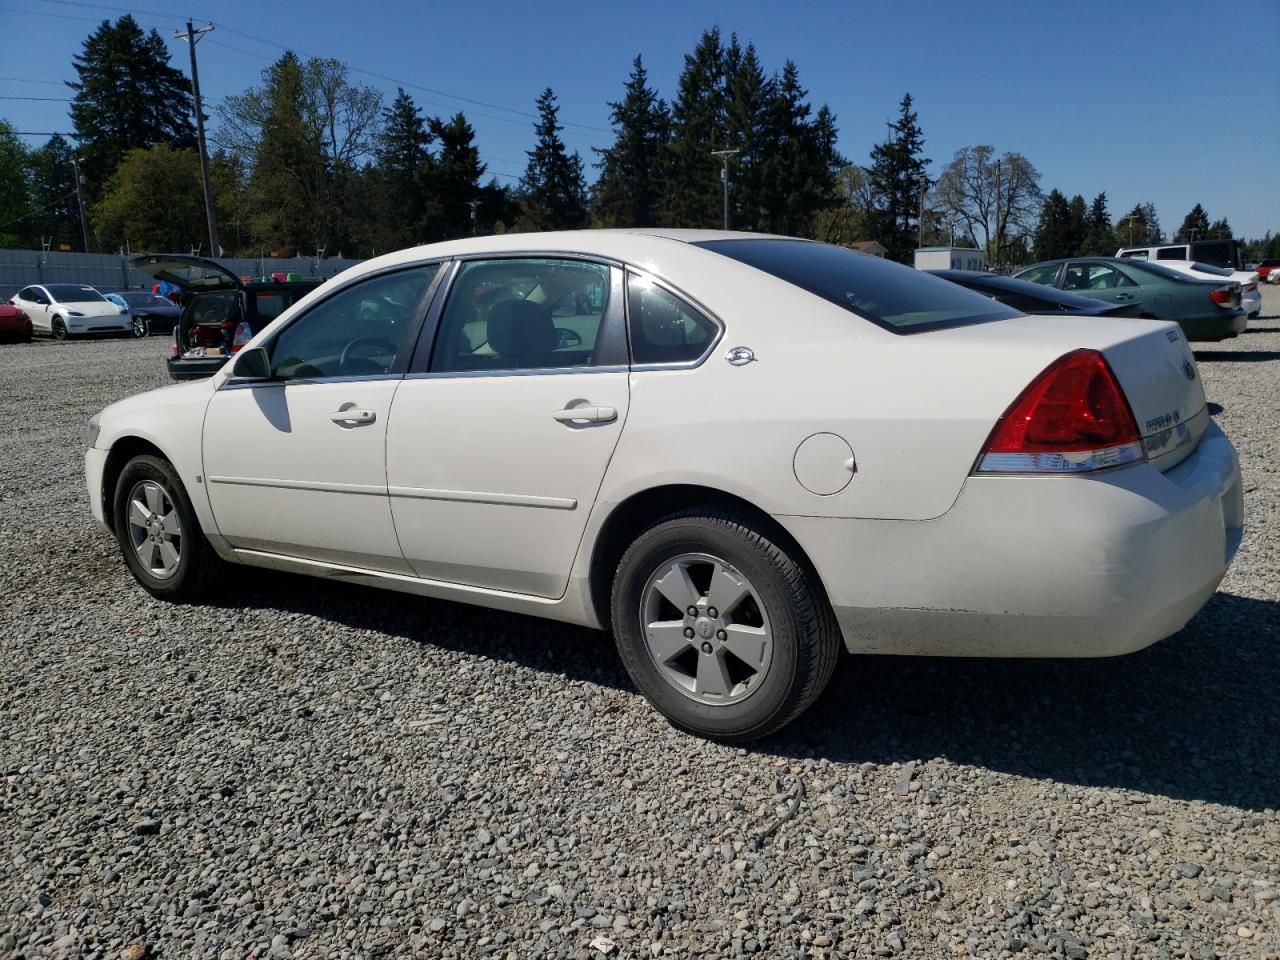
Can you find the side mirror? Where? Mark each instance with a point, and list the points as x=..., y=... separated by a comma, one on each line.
x=251, y=364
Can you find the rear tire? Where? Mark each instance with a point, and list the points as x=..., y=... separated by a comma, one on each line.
x=159, y=534
x=685, y=658
x=140, y=328
x=59, y=329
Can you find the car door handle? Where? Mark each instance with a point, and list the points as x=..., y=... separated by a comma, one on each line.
x=1124, y=296
x=586, y=414
x=352, y=415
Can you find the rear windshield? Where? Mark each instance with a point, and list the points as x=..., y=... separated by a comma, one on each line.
x=73, y=293
x=144, y=299
x=897, y=298
x=1160, y=271
x=1221, y=253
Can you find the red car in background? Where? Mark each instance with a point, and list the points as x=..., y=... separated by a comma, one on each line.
x=1266, y=266
x=15, y=326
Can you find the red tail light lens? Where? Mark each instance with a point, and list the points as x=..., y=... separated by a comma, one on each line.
x=1072, y=418
x=243, y=336
x=1221, y=295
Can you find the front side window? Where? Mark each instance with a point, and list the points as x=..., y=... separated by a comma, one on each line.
x=522, y=314
x=31, y=295
x=888, y=294
x=366, y=329
x=74, y=293
x=664, y=328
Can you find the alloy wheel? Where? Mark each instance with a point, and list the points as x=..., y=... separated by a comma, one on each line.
x=155, y=529
x=706, y=628
x=140, y=327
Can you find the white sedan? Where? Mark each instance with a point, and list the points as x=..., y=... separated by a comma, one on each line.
x=70, y=309
x=739, y=453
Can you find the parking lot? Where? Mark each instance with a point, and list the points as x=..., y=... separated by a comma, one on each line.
x=300, y=768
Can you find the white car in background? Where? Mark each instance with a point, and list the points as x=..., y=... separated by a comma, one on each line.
x=71, y=309
x=739, y=453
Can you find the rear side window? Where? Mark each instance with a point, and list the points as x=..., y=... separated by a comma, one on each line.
x=1134, y=255
x=665, y=328
x=891, y=295
x=271, y=305
x=1172, y=253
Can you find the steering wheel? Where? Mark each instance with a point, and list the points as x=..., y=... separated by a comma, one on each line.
x=372, y=365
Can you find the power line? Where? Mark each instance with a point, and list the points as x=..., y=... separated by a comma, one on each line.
x=54, y=83
x=45, y=99
x=271, y=43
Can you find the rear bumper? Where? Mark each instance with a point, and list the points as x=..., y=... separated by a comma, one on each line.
x=194, y=368
x=1215, y=326
x=1038, y=566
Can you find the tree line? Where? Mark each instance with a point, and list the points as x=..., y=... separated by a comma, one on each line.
x=308, y=160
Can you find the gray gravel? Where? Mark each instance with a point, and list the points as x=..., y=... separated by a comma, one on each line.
x=310, y=770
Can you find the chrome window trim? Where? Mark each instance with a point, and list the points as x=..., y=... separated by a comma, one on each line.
x=233, y=384
x=680, y=294
x=517, y=372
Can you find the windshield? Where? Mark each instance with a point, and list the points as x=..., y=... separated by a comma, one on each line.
x=889, y=294
x=144, y=299
x=74, y=293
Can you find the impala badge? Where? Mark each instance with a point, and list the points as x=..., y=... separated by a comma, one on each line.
x=740, y=356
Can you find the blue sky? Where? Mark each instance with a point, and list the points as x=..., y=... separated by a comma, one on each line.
x=1172, y=102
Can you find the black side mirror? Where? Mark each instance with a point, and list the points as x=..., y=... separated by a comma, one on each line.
x=251, y=364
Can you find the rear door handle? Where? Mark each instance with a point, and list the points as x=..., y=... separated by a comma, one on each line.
x=586, y=414
x=1124, y=296
x=352, y=415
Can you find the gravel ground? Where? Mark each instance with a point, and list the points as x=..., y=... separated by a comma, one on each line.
x=311, y=770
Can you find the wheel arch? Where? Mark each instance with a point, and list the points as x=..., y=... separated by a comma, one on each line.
x=123, y=450
x=632, y=516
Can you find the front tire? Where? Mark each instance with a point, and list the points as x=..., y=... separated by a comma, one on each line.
x=158, y=533
x=140, y=328
x=59, y=329
x=725, y=632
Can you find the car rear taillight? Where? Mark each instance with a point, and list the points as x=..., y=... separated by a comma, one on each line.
x=1221, y=296
x=243, y=336
x=1072, y=418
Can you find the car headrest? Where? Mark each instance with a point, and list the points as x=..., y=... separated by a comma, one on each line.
x=521, y=328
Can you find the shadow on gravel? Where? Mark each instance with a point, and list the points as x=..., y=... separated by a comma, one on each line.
x=1237, y=356
x=1194, y=717
x=1263, y=330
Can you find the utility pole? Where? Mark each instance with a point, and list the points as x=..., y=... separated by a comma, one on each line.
x=473, y=204
x=192, y=36
x=724, y=156
x=924, y=185
x=997, y=216
x=84, y=224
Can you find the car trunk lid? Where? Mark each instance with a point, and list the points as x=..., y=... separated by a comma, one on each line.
x=191, y=273
x=1151, y=361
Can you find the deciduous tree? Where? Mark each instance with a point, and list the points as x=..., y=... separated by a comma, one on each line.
x=992, y=197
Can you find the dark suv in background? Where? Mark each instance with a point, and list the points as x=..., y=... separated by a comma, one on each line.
x=220, y=311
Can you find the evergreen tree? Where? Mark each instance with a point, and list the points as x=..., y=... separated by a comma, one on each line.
x=1077, y=225
x=1140, y=227
x=749, y=103
x=553, y=191
x=454, y=180
x=127, y=97
x=1053, y=239
x=799, y=171
x=1100, y=239
x=1195, y=226
x=694, y=191
x=1220, y=229
x=632, y=171
x=56, y=216
x=399, y=181
x=898, y=180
